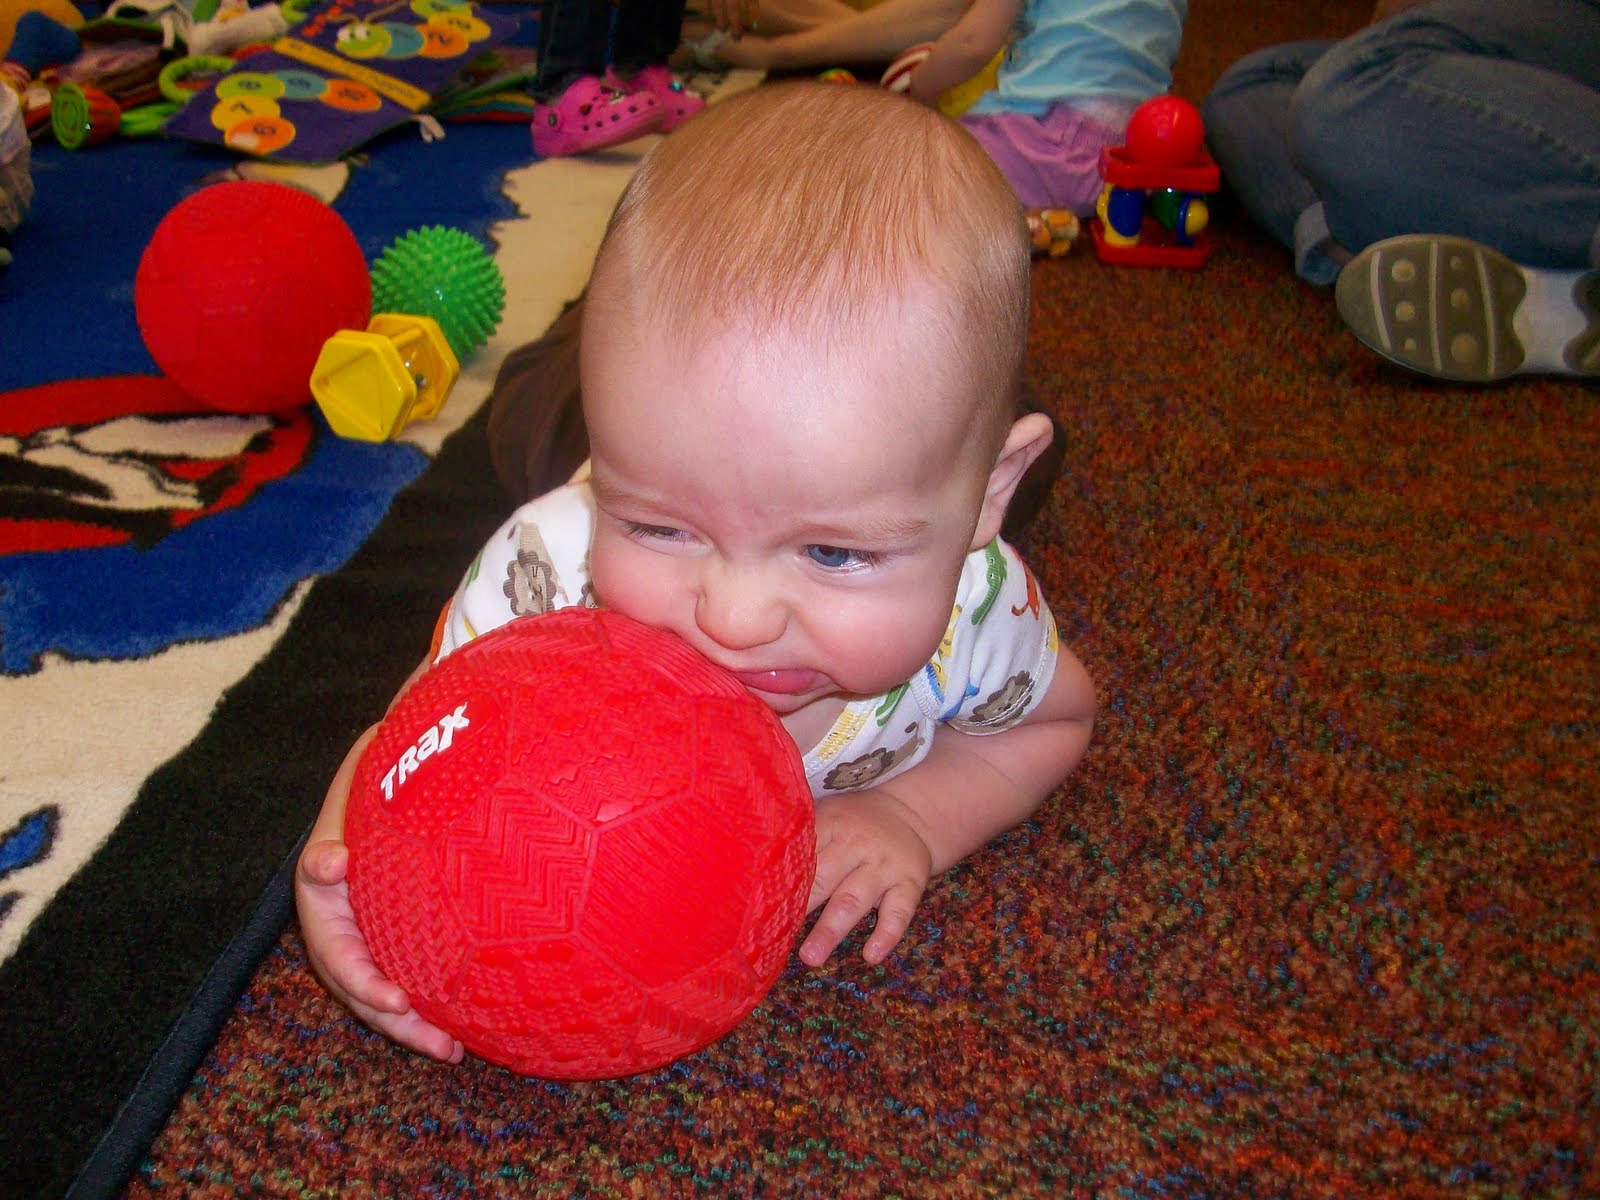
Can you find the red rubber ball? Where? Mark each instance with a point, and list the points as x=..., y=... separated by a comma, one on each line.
x=1165, y=131
x=581, y=848
x=240, y=286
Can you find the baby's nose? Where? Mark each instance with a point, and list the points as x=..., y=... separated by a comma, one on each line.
x=737, y=608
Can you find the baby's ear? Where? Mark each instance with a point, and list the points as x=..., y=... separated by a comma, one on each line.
x=1030, y=437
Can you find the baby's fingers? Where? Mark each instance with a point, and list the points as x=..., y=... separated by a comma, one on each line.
x=895, y=910
x=831, y=870
x=414, y=1033
x=334, y=944
x=734, y=16
x=346, y=967
x=323, y=863
x=350, y=973
x=845, y=907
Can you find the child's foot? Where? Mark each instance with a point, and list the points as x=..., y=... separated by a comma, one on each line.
x=1454, y=309
x=677, y=102
x=588, y=115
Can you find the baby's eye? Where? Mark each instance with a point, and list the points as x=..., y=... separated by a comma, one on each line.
x=659, y=533
x=838, y=558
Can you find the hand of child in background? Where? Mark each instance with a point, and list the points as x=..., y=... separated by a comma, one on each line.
x=335, y=946
x=869, y=856
x=733, y=16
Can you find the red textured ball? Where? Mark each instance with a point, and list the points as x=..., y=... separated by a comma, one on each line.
x=1165, y=131
x=240, y=286
x=580, y=848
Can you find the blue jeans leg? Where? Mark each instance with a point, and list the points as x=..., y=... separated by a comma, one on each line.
x=1247, y=131
x=1469, y=117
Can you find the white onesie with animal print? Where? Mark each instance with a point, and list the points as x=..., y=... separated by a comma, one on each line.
x=992, y=667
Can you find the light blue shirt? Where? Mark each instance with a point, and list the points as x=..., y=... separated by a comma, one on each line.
x=1111, y=53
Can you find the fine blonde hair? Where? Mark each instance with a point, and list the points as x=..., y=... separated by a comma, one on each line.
x=809, y=207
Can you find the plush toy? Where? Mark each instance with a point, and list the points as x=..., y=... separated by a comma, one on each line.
x=580, y=847
x=1052, y=231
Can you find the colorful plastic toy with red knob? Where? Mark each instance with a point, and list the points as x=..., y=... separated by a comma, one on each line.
x=1152, y=211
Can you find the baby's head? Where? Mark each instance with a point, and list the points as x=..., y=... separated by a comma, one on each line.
x=846, y=216
x=800, y=360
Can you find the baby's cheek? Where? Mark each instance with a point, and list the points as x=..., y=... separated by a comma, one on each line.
x=619, y=573
x=656, y=589
x=880, y=643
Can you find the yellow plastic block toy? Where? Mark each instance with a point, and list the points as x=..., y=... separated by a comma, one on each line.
x=371, y=383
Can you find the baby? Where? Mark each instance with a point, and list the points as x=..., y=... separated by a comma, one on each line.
x=799, y=368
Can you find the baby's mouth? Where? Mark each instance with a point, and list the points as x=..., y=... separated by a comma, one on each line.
x=780, y=682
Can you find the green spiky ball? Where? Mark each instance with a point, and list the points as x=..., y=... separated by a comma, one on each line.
x=444, y=274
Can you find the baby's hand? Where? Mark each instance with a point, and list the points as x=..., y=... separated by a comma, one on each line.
x=340, y=957
x=336, y=947
x=869, y=856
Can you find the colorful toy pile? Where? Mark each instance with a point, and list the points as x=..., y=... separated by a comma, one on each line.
x=129, y=71
x=437, y=296
x=254, y=296
x=298, y=82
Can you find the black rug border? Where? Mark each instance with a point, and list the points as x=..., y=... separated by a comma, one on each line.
x=131, y=1031
x=172, y=1067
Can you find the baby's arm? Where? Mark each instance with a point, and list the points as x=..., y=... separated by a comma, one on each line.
x=877, y=849
x=965, y=49
x=337, y=951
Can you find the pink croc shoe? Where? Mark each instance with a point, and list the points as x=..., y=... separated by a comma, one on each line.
x=677, y=101
x=591, y=115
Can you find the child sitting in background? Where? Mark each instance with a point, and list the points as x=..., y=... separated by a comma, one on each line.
x=804, y=337
x=1072, y=74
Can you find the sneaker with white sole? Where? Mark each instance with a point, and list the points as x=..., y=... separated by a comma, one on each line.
x=1455, y=309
